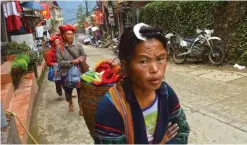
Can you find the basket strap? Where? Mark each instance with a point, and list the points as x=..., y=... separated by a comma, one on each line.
x=113, y=60
x=123, y=108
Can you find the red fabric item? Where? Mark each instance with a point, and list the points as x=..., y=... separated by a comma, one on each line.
x=13, y=20
x=51, y=54
x=18, y=6
x=53, y=38
x=103, y=67
x=13, y=23
x=111, y=72
x=65, y=28
x=53, y=45
x=108, y=77
x=29, y=30
x=51, y=57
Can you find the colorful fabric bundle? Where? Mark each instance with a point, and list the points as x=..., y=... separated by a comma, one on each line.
x=105, y=73
x=108, y=77
x=92, y=77
x=107, y=64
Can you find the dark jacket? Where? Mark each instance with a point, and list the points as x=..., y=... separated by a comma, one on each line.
x=109, y=127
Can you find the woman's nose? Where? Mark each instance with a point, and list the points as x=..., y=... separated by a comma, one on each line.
x=154, y=68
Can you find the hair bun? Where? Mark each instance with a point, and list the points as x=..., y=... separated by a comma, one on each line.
x=147, y=29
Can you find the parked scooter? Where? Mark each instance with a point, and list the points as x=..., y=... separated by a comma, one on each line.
x=198, y=47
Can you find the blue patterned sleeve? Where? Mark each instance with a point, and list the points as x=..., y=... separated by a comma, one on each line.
x=177, y=115
x=108, y=123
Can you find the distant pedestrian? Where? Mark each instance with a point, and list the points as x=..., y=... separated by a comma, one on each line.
x=72, y=54
x=51, y=60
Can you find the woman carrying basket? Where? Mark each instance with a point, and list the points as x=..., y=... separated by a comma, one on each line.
x=72, y=54
x=51, y=61
x=141, y=109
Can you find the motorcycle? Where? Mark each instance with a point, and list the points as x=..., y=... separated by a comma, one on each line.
x=198, y=47
x=170, y=48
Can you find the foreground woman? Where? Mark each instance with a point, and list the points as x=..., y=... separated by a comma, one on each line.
x=141, y=109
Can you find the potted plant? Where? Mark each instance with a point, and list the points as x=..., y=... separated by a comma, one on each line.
x=10, y=49
x=19, y=67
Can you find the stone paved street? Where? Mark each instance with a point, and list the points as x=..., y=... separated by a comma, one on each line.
x=214, y=100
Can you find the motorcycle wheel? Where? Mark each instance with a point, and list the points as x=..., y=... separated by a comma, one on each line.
x=179, y=59
x=219, y=57
x=169, y=50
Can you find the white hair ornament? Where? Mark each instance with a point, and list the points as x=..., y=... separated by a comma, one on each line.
x=136, y=30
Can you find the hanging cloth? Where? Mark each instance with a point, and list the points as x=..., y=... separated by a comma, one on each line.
x=18, y=6
x=12, y=15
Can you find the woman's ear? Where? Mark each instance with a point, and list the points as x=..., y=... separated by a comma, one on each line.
x=124, y=68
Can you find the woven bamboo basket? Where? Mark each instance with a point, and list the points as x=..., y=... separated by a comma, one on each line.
x=44, y=52
x=90, y=96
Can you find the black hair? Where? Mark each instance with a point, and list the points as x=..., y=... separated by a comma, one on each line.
x=129, y=40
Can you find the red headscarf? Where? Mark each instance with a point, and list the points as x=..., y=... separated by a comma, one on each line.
x=53, y=38
x=65, y=28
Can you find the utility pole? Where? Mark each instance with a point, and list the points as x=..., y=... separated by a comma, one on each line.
x=86, y=3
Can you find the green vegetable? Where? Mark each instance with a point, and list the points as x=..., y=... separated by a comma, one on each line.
x=23, y=56
x=20, y=63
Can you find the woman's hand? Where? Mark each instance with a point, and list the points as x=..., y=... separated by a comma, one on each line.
x=75, y=61
x=78, y=60
x=81, y=58
x=170, y=133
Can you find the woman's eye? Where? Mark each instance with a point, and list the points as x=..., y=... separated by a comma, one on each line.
x=161, y=58
x=143, y=61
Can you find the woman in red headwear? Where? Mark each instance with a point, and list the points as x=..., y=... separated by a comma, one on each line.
x=51, y=61
x=72, y=54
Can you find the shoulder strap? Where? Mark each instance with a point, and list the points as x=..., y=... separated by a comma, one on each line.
x=121, y=104
x=70, y=52
x=77, y=44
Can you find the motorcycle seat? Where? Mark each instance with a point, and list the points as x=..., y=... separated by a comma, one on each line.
x=190, y=39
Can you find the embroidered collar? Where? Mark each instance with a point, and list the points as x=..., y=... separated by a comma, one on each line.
x=137, y=116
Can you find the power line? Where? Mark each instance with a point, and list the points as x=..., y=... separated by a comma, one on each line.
x=86, y=3
x=71, y=20
x=89, y=9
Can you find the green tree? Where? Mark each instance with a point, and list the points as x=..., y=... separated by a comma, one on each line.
x=81, y=16
x=54, y=25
